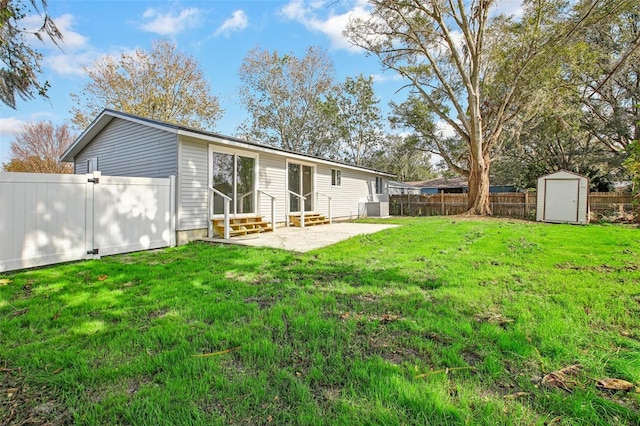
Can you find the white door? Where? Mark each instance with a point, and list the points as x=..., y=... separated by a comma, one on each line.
x=561, y=200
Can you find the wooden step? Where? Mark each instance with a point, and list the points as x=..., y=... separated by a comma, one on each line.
x=310, y=219
x=242, y=226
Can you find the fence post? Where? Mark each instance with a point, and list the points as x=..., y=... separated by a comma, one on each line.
x=526, y=204
x=442, y=203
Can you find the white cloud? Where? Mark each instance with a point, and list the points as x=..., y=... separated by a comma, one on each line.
x=332, y=25
x=71, y=54
x=390, y=76
x=70, y=64
x=170, y=23
x=444, y=129
x=507, y=7
x=10, y=126
x=70, y=39
x=237, y=22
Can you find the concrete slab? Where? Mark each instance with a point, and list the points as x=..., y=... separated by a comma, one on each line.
x=306, y=239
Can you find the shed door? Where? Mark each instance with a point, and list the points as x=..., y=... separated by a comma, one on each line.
x=561, y=200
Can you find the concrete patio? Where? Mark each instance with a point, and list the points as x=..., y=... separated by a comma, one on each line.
x=305, y=239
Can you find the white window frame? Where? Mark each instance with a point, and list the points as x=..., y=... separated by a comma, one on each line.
x=92, y=164
x=336, y=177
x=237, y=151
x=379, y=185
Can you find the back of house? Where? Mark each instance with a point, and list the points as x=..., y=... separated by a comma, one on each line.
x=258, y=180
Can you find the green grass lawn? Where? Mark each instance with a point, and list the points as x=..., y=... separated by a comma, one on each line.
x=441, y=321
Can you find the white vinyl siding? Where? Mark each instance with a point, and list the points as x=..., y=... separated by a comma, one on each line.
x=193, y=207
x=357, y=187
x=124, y=148
x=272, y=180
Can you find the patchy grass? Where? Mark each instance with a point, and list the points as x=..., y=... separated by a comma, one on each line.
x=440, y=321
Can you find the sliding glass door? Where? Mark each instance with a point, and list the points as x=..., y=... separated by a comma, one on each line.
x=300, y=179
x=234, y=176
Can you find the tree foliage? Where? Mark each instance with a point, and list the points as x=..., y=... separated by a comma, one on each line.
x=20, y=62
x=483, y=77
x=403, y=157
x=163, y=84
x=283, y=95
x=37, y=148
x=355, y=119
x=610, y=81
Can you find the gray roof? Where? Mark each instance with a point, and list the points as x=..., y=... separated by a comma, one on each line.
x=107, y=115
x=456, y=182
x=396, y=184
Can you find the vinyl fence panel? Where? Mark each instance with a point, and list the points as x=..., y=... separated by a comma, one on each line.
x=42, y=219
x=49, y=218
x=132, y=214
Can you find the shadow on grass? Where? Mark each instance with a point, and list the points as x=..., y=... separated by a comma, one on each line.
x=203, y=333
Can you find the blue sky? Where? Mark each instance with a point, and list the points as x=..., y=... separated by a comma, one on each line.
x=218, y=33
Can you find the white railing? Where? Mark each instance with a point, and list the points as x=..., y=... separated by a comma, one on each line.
x=227, y=202
x=302, y=200
x=318, y=194
x=273, y=208
x=241, y=202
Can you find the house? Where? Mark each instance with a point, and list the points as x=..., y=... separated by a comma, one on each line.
x=257, y=180
x=401, y=188
x=456, y=185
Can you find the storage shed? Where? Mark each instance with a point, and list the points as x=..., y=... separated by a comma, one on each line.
x=563, y=198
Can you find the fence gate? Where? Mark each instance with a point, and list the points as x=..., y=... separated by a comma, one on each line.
x=51, y=218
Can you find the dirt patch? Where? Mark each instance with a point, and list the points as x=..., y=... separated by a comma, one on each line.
x=472, y=358
x=629, y=267
x=262, y=302
x=22, y=404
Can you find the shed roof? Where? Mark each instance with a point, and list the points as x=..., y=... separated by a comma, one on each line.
x=107, y=115
x=563, y=173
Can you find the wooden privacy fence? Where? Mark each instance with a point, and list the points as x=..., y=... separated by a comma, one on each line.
x=52, y=218
x=520, y=205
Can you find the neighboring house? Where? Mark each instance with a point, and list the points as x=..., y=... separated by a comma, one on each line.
x=251, y=174
x=401, y=188
x=457, y=185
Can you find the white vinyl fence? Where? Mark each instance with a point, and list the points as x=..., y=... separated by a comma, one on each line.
x=50, y=218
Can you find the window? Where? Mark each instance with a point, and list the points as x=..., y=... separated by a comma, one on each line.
x=233, y=175
x=379, y=188
x=336, y=176
x=92, y=165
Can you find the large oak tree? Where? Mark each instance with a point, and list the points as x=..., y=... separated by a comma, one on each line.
x=483, y=77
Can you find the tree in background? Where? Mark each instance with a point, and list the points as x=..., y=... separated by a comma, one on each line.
x=163, y=84
x=37, y=148
x=283, y=95
x=608, y=79
x=403, y=157
x=478, y=75
x=20, y=63
x=355, y=118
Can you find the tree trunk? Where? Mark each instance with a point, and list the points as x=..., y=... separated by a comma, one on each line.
x=478, y=200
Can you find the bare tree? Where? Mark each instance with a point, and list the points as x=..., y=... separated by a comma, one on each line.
x=164, y=84
x=37, y=148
